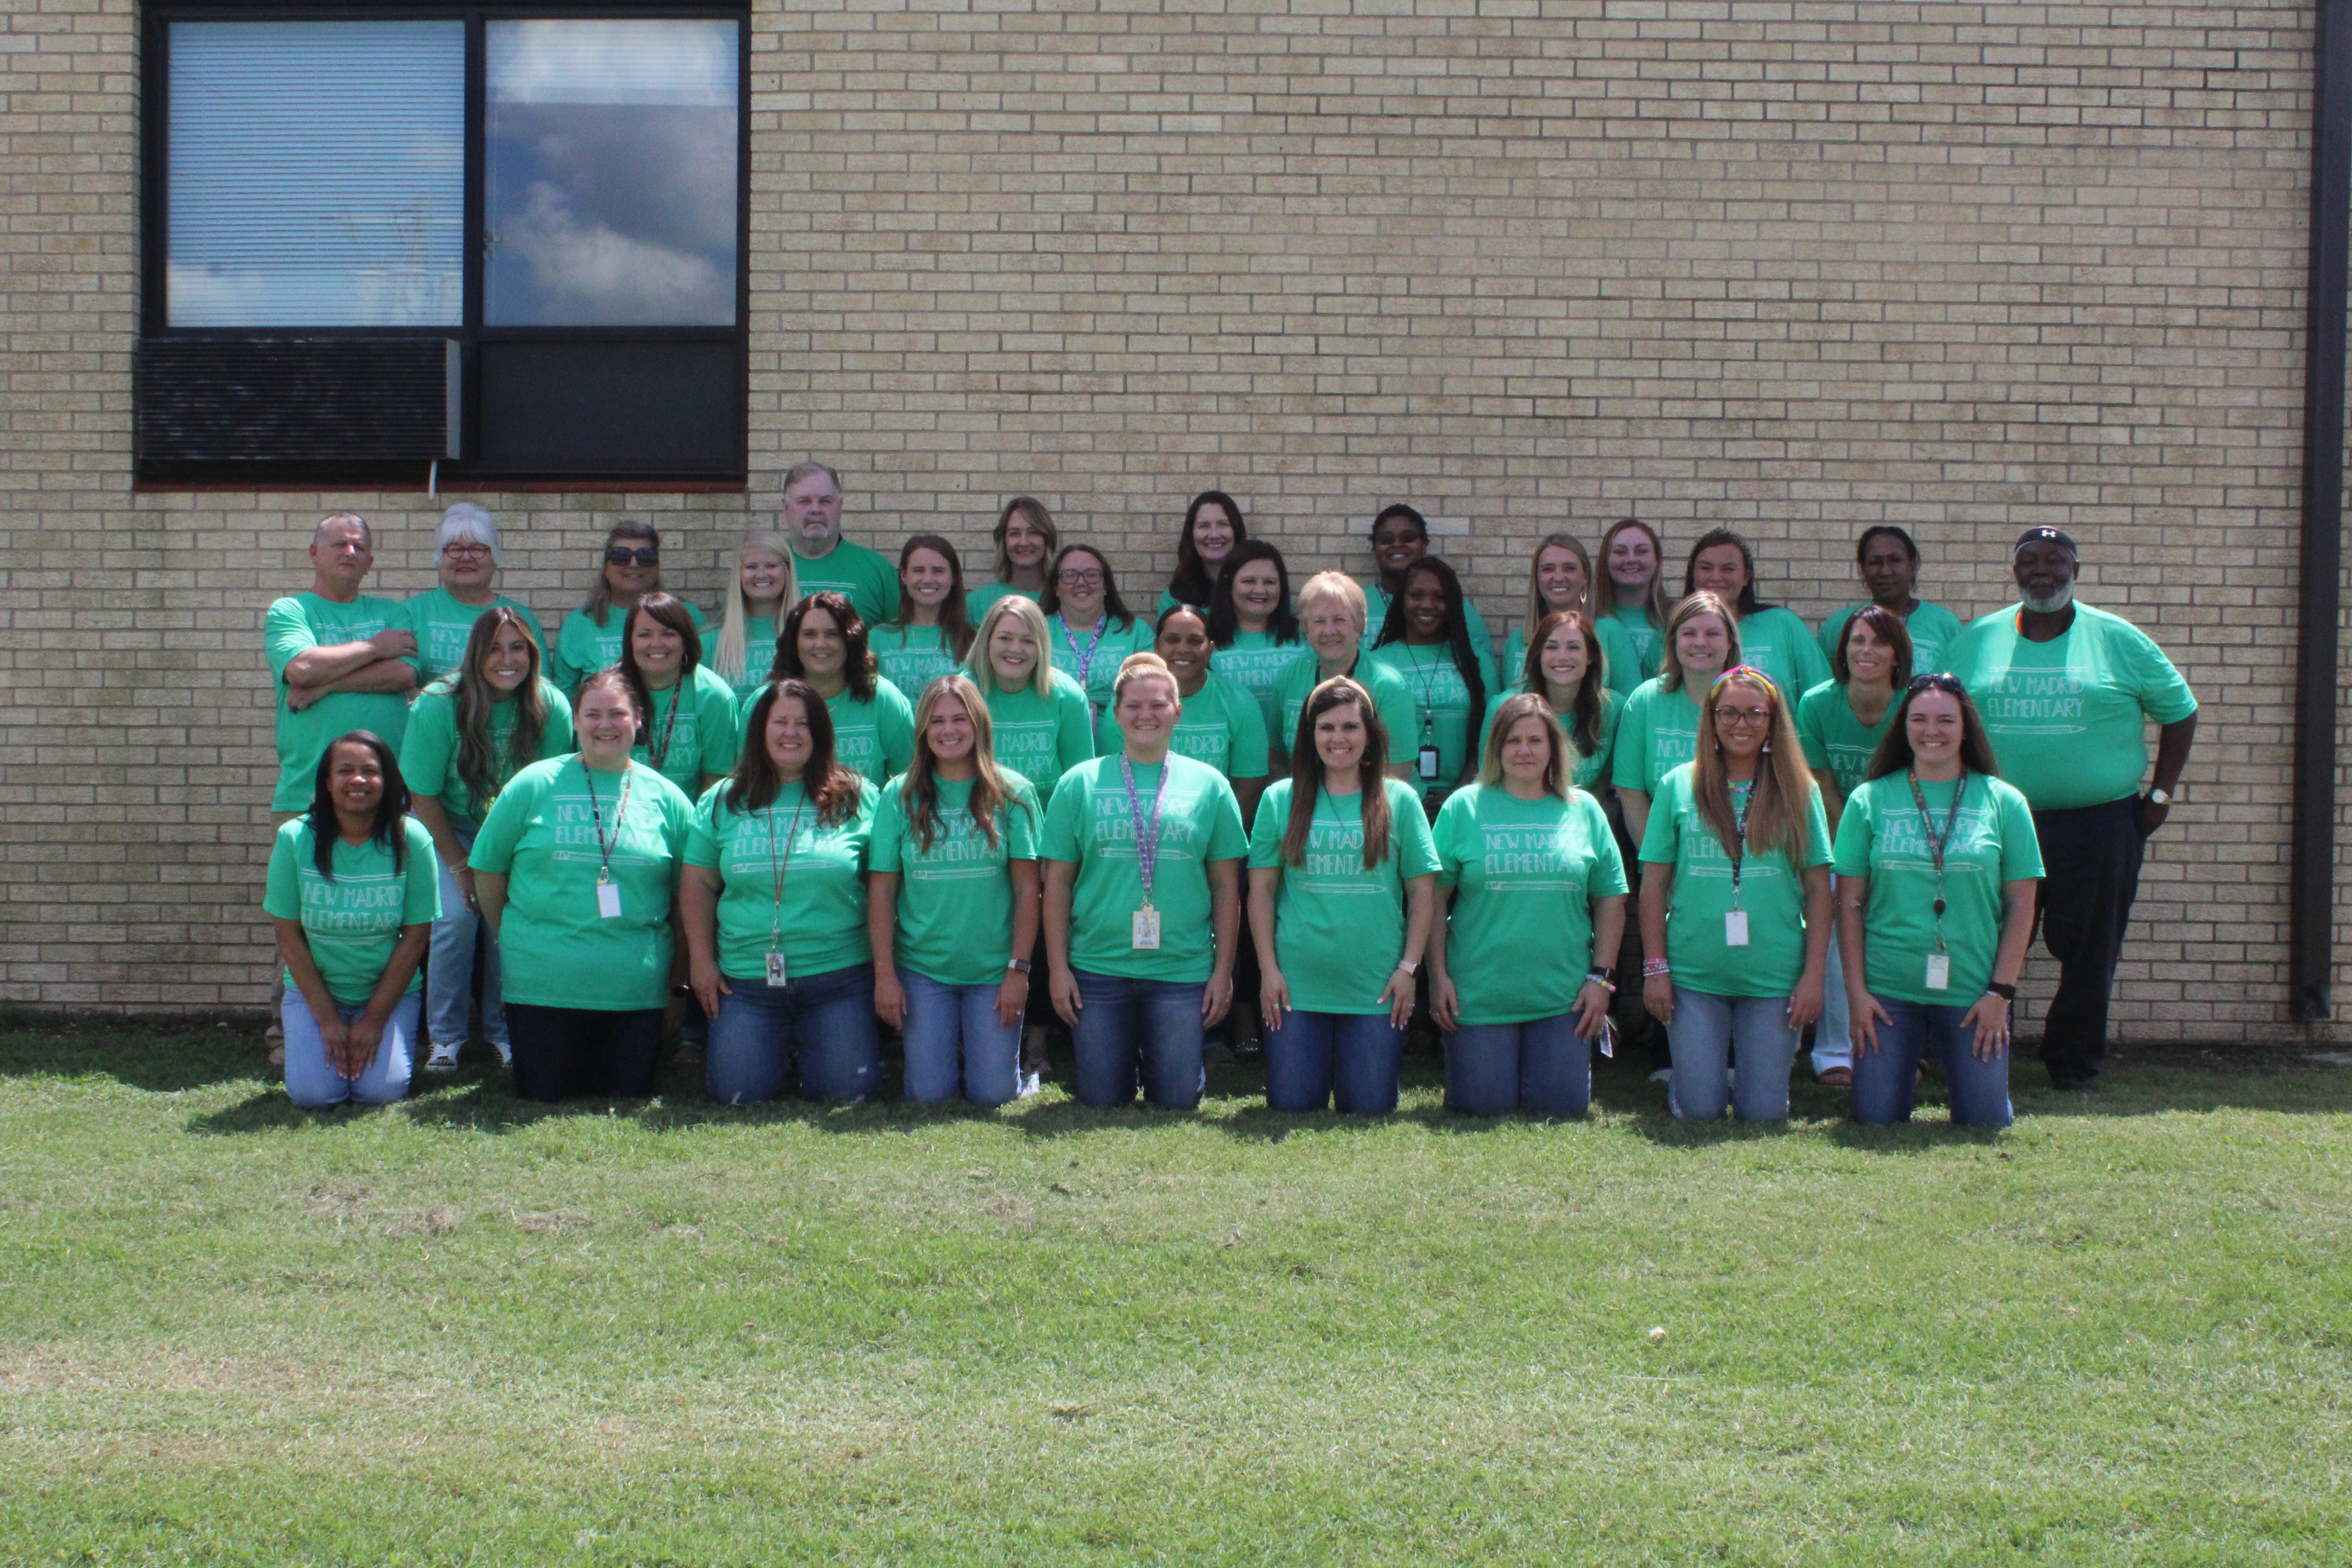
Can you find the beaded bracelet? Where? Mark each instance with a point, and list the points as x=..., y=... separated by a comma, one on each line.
x=1654, y=967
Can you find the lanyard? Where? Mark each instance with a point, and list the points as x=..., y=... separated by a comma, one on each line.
x=1087, y=659
x=1936, y=841
x=1146, y=846
x=777, y=867
x=596, y=809
x=1424, y=675
x=658, y=750
x=1738, y=844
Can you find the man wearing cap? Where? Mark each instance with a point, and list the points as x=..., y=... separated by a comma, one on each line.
x=822, y=559
x=2065, y=691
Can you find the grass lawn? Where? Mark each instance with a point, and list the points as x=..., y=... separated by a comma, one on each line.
x=463, y=1330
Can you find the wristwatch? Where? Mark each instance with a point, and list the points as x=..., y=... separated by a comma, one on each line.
x=1019, y=965
x=1995, y=988
x=2159, y=797
x=1412, y=967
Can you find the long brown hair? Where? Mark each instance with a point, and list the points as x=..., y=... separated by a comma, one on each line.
x=1559, y=774
x=659, y=608
x=1039, y=517
x=857, y=663
x=1894, y=754
x=1887, y=628
x=755, y=782
x=479, y=767
x=1537, y=608
x=1659, y=608
x=1114, y=608
x=599, y=603
x=1306, y=774
x=1192, y=584
x=1702, y=602
x=992, y=791
x=1586, y=705
x=955, y=625
x=1783, y=789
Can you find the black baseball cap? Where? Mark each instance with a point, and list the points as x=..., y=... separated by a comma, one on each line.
x=2045, y=535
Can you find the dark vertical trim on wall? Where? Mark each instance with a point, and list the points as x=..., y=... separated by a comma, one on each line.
x=2312, y=886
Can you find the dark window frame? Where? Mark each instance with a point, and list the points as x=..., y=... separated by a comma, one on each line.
x=472, y=470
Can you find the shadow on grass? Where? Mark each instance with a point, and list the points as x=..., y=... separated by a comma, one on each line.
x=158, y=1060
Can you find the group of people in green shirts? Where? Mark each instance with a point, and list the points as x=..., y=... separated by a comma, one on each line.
x=880, y=796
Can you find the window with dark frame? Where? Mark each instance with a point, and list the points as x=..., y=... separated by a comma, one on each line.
x=508, y=242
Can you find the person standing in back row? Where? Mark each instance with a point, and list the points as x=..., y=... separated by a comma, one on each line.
x=822, y=559
x=1889, y=560
x=2065, y=691
x=465, y=557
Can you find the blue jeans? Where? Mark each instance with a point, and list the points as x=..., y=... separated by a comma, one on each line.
x=955, y=1043
x=1883, y=1079
x=1712, y=1034
x=1832, y=1044
x=312, y=1082
x=1543, y=1065
x=823, y=1022
x=1149, y=1029
x=1315, y=1055
x=450, y=972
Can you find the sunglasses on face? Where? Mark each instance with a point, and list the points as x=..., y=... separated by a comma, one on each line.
x=621, y=555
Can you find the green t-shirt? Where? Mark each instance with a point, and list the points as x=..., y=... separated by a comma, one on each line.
x=1220, y=726
x=976, y=601
x=353, y=922
x=1591, y=769
x=1090, y=826
x=911, y=656
x=865, y=577
x=1772, y=890
x=428, y=751
x=1834, y=738
x=1039, y=737
x=1255, y=663
x=442, y=625
x=955, y=898
x=295, y=625
x=1524, y=875
x=875, y=738
x=1632, y=646
x=1390, y=698
x=1441, y=709
x=583, y=647
x=557, y=949
x=759, y=658
x=1657, y=733
x=1934, y=629
x=821, y=918
x=2067, y=716
x=1093, y=660
x=1339, y=929
x=690, y=730
x=1881, y=836
x=1776, y=642
x=1376, y=616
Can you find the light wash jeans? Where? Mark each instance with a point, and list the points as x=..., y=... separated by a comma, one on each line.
x=1147, y=1030
x=1315, y=1056
x=1543, y=1065
x=1712, y=1034
x=822, y=1023
x=450, y=973
x=1883, y=1079
x=313, y=1083
x=954, y=1043
x=1833, y=1042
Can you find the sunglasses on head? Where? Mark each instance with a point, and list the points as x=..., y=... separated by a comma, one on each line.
x=621, y=555
x=1940, y=682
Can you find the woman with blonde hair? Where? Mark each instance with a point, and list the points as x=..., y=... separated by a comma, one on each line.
x=1026, y=542
x=1631, y=606
x=930, y=634
x=1659, y=730
x=590, y=639
x=952, y=903
x=1331, y=610
x=1560, y=577
x=1736, y=904
x=1038, y=714
x=765, y=586
x=1520, y=1018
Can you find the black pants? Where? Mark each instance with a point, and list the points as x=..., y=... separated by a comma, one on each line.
x=564, y=1052
x=2090, y=874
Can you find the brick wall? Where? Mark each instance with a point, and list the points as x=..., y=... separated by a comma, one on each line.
x=1527, y=264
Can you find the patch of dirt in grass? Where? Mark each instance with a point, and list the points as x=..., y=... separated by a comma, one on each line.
x=551, y=1222
x=53, y=1372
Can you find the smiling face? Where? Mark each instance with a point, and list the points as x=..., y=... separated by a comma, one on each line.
x=1889, y=570
x=355, y=779
x=1397, y=543
x=1011, y=653
x=1184, y=642
x=1868, y=657
x=465, y=566
x=1564, y=659
x=1340, y=738
x=1934, y=726
x=763, y=577
x=342, y=555
x=1743, y=720
x=824, y=651
x=2046, y=571
x=927, y=577
x=1331, y=628
x=605, y=723
x=506, y=664
x=1213, y=535
x=811, y=512
x=1079, y=583
x=790, y=741
x=949, y=731
x=632, y=568
x=660, y=652
x=1722, y=569
x=1632, y=562
x=1527, y=751
x=1560, y=577
x=1025, y=543
x=1424, y=608
x=1257, y=589
x=1702, y=644
x=1147, y=711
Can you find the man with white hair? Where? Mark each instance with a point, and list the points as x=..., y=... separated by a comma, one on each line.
x=2065, y=692
x=467, y=556
x=822, y=559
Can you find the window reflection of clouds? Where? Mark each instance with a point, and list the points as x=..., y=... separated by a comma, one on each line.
x=612, y=173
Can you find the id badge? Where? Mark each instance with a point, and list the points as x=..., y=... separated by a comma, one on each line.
x=775, y=970
x=1147, y=931
x=1939, y=972
x=608, y=901
x=1607, y=1041
x=1735, y=928
x=1425, y=765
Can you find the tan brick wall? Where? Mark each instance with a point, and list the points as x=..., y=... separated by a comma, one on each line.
x=1793, y=268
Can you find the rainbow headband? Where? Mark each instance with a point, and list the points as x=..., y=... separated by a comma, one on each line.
x=1752, y=673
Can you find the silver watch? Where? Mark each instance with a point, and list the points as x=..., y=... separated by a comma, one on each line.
x=2159, y=797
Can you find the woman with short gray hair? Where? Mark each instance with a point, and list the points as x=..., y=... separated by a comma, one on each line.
x=465, y=557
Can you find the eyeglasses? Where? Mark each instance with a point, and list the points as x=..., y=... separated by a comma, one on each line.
x=469, y=552
x=1076, y=577
x=621, y=555
x=1741, y=717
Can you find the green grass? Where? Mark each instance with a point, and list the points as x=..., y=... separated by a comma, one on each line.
x=467, y=1331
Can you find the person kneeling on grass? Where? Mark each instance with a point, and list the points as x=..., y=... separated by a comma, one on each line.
x=1736, y=904
x=1938, y=867
x=354, y=894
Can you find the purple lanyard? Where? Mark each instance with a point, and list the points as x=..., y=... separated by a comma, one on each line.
x=1087, y=659
x=1147, y=848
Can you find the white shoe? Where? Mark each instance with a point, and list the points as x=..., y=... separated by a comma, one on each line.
x=441, y=1059
x=1664, y=1074
x=1030, y=1085
x=505, y=1052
